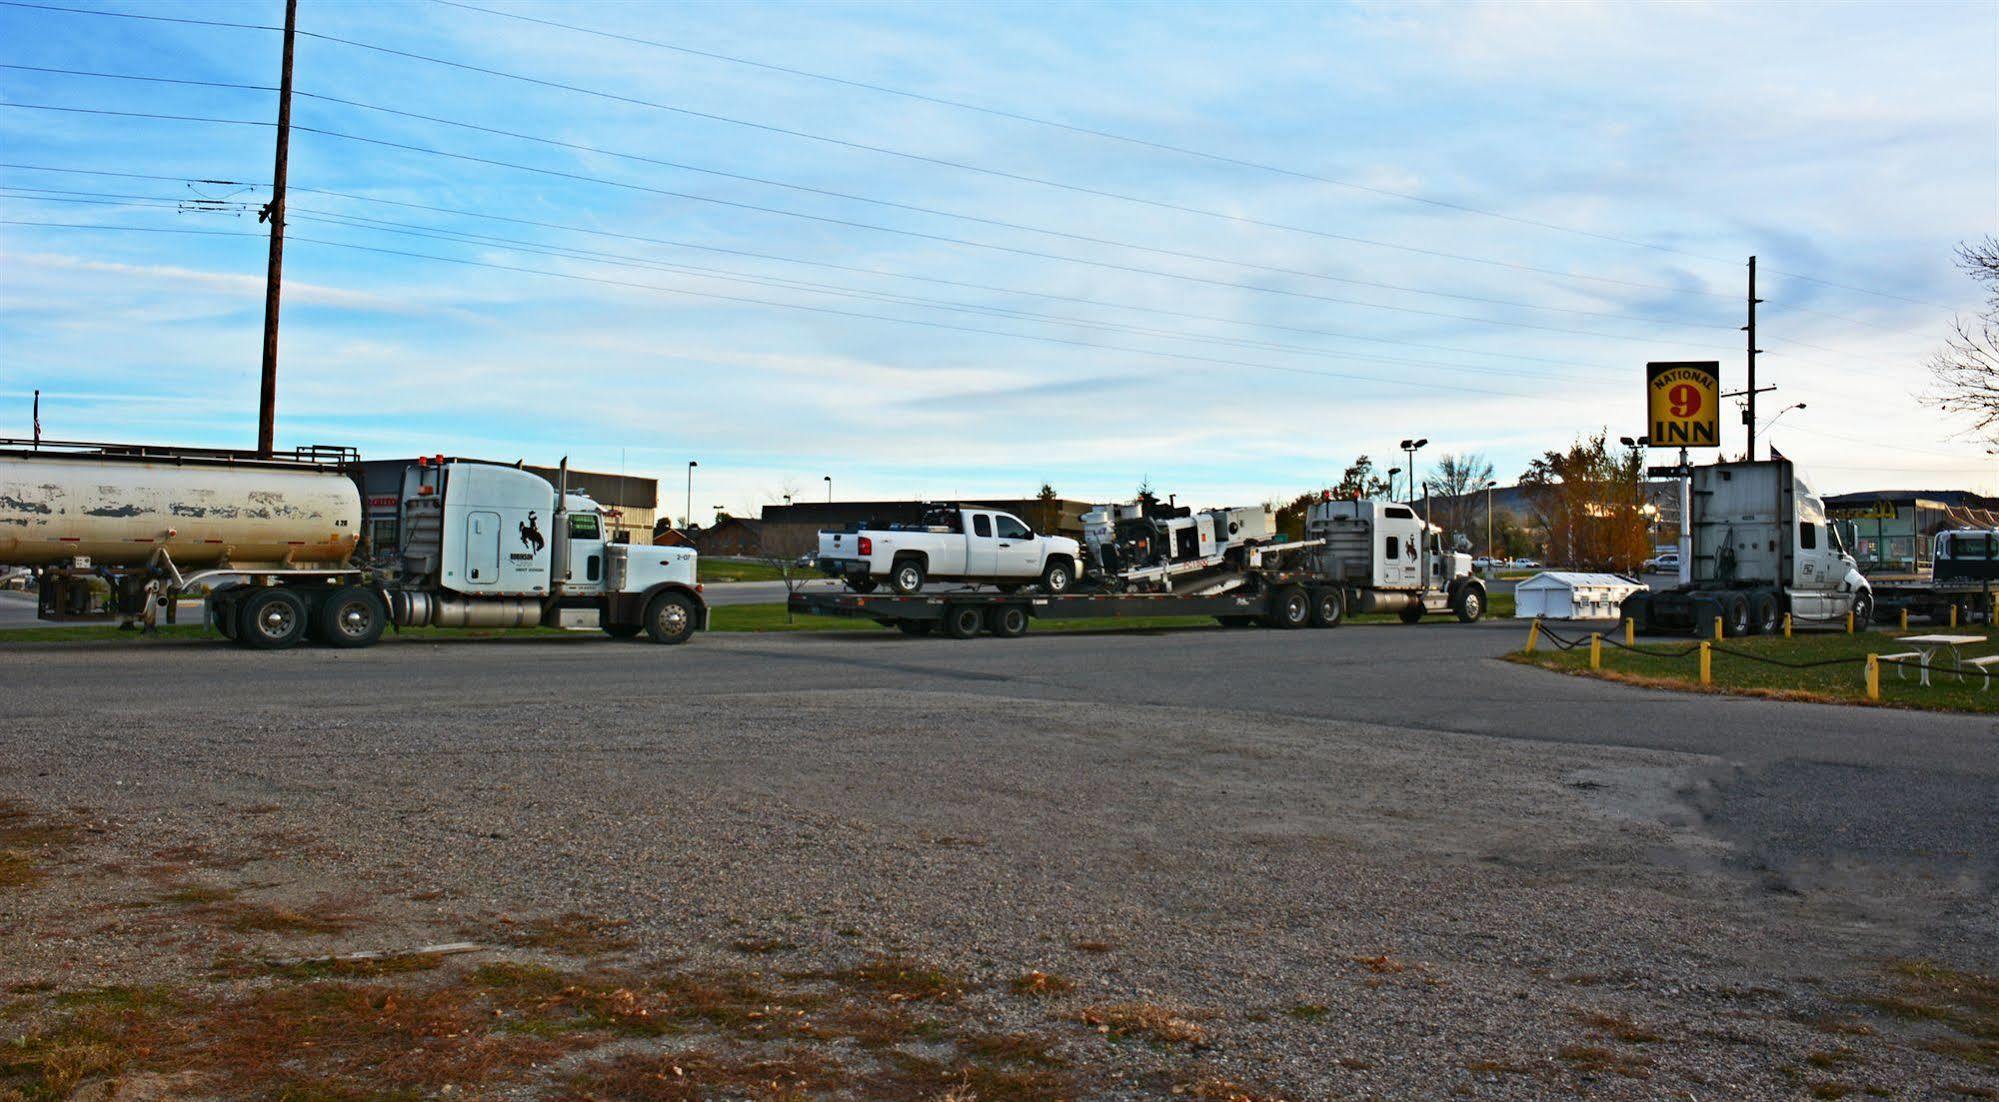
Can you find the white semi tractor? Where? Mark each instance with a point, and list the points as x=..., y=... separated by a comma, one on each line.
x=1762, y=548
x=123, y=531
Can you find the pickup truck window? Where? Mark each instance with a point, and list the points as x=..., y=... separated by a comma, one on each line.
x=1011, y=529
x=1808, y=535
x=982, y=525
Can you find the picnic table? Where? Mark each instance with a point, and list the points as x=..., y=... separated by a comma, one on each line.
x=1927, y=647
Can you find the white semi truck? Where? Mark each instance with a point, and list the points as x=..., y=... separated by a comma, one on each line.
x=1364, y=556
x=123, y=531
x=1762, y=547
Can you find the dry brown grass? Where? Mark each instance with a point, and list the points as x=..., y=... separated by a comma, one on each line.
x=1597, y=1059
x=1959, y=1008
x=1224, y=1090
x=1143, y=1021
x=695, y=1075
x=572, y=934
x=1040, y=985
x=1616, y=1026
x=900, y=979
x=28, y=842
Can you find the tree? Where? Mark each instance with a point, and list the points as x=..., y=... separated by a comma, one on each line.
x=1047, y=508
x=1456, y=486
x=1967, y=368
x=1590, y=503
x=1361, y=481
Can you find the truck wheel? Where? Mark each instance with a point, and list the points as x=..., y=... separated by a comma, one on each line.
x=270, y=619
x=222, y=610
x=1637, y=608
x=1735, y=615
x=1863, y=610
x=1008, y=621
x=1470, y=604
x=860, y=583
x=907, y=577
x=1329, y=607
x=669, y=618
x=1057, y=577
x=964, y=621
x=1413, y=613
x=1290, y=607
x=350, y=617
x=1766, y=614
x=916, y=627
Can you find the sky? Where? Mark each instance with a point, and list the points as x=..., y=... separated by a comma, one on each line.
x=1241, y=245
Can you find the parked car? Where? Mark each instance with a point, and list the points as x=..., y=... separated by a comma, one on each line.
x=1668, y=563
x=1534, y=563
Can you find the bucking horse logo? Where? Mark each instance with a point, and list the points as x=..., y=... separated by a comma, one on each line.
x=531, y=535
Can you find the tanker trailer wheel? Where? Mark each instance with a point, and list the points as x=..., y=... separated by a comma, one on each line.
x=1470, y=605
x=1413, y=613
x=1329, y=607
x=1008, y=621
x=1290, y=607
x=270, y=619
x=222, y=610
x=351, y=616
x=669, y=618
x=964, y=621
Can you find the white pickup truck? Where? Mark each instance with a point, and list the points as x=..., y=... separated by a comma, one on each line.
x=953, y=544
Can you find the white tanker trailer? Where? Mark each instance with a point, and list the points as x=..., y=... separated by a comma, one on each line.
x=122, y=531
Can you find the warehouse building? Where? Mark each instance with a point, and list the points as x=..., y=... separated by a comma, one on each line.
x=630, y=502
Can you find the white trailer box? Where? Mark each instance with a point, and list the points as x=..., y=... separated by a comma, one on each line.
x=1563, y=596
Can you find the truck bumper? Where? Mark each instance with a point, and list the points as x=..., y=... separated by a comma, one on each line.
x=843, y=568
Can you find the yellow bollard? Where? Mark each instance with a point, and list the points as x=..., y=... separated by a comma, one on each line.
x=1849, y=621
x=1787, y=625
x=1630, y=632
x=1707, y=657
x=1905, y=619
x=1717, y=629
x=1596, y=650
x=1953, y=614
x=1873, y=677
x=1533, y=634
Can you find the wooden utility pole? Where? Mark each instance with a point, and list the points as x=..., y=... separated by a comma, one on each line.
x=267, y=401
x=1749, y=392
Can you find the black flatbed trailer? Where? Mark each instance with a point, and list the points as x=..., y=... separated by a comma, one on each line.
x=1276, y=599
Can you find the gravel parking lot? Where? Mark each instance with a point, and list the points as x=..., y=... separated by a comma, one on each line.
x=1377, y=862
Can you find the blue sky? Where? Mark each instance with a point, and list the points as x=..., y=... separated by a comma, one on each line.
x=1852, y=143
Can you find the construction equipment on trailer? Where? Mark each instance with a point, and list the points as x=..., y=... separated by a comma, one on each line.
x=122, y=531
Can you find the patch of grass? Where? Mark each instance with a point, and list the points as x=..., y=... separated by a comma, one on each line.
x=1009, y=1048
x=27, y=840
x=899, y=979
x=1652, y=666
x=1596, y=1059
x=695, y=1075
x=736, y=570
x=193, y=895
x=1618, y=1027
x=1040, y=985
x=1143, y=1021
x=246, y=917
x=761, y=943
x=1091, y=946
x=1307, y=1012
x=573, y=933
x=1964, y=1003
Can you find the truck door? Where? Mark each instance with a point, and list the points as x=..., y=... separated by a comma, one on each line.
x=981, y=547
x=482, y=549
x=1399, y=555
x=586, y=553
x=1809, y=597
x=1019, y=551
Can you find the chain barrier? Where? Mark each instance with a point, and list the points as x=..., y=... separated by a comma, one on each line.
x=1563, y=644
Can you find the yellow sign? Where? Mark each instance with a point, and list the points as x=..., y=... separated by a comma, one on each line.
x=1683, y=404
x=1880, y=510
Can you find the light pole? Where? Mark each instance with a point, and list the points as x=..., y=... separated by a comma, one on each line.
x=829, y=489
x=688, y=517
x=1410, y=448
x=1489, y=484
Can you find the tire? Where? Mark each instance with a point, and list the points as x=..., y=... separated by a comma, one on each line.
x=1863, y=610
x=623, y=631
x=350, y=617
x=1637, y=608
x=964, y=621
x=1290, y=607
x=1007, y=621
x=860, y=583
x=1413, y=613
x=669, y=618
x=271, y=619
x=1766, y=614
x=906, y=576
x=1735, y=616
x=916, y=627
x=1469, y=605
x=1329, y=608
x=1057, y=577
x=222, y=610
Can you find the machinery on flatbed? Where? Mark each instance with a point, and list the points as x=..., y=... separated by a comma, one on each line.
x=1963, y=575
x=1367, y=556
x=123, y=531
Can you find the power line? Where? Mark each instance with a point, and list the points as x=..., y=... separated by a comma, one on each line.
x=964, y=242
x=1167, y=147
x=147, y=18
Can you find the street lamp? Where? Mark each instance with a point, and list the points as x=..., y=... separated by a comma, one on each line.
x=829, y=489
x=688, y=517
x=1489, y=484
x=1779, y=413
x=1411, y=447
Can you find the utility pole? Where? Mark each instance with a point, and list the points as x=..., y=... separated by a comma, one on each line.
x=1749, y=393
x=267, y=401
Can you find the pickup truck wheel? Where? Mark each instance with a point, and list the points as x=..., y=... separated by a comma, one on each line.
x=1008, y=621
x=1766, y=616
x=669, y=618
x=964, y=621
x=1735, y=616
x=1469, y=605
x=350, y=617
x=1290, y=607
x=907, y=576
x=916, y=627
x=1057, y=577
x=1329, y=608
x=270, y=619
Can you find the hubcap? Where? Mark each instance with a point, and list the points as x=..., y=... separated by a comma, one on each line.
x=353, y=618
x=672, y=617
x=276, y=619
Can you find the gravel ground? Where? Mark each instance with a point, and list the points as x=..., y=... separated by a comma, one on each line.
x=1350, y=909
